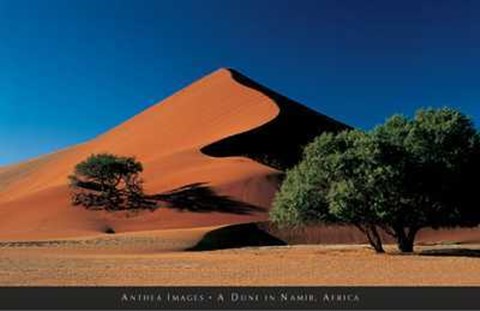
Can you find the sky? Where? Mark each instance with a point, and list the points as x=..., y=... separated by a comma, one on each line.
x=70, y=70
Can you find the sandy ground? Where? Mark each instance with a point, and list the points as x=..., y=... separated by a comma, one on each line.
x=137, y=259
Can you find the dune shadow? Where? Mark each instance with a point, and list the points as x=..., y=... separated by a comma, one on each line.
x=279, y=142
x=236, y=236
x=452, y=252
x=200, y=198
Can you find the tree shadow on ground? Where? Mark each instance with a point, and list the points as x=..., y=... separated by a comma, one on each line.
x=200, y=198
x=452, y=252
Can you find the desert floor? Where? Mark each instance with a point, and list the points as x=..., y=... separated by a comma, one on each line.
x=155, y=259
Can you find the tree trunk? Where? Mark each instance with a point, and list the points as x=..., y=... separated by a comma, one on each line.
x=405, y=240
x=373, y=237
x=377, y=241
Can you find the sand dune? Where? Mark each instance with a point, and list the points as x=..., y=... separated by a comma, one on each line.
x=172, y=139
x=224, y=132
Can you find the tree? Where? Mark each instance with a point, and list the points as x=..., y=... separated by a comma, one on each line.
x=110, y=182
x=436, y=155
x=402, y=176
x=320, y=188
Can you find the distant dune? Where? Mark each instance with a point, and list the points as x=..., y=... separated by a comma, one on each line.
x=224, y=132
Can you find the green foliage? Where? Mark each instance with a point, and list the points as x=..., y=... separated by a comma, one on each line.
x=297, y=201
x=402, y=176
x=435, y=157
x=110, y=182
x=108, y=169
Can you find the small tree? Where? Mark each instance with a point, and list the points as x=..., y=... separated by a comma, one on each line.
x=110, y=182
x=400, y=177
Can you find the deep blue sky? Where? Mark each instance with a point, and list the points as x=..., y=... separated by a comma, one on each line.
x=69, y=70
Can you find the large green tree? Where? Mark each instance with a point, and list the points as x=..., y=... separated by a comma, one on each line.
x=110, y=182
x=402, y=176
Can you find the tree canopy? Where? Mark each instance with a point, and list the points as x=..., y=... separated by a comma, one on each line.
x=110, y=182
x=402, y=176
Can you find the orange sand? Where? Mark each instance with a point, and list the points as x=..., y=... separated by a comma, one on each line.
x=167, y=139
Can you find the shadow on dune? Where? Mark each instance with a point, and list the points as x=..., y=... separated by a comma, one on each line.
x=278, y=143
x=200, y=198
x=452, y=252
x=236, y=236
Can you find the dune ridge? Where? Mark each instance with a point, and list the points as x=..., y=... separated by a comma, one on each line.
x=279, y=142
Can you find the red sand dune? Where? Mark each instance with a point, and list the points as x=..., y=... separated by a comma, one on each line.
x=184, y=139
x=217, y=131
